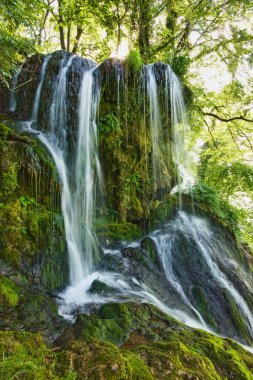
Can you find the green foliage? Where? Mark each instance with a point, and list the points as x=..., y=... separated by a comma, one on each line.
x=209, y=200
x=26, y=200
x=110, y=132
x=109, y=124
x=17, y=20
x=180, y=65
x=133, y=60
x=27, y=218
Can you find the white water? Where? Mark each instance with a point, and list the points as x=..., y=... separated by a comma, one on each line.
x=78, y=199
x=180, y=129
x=176, y=111
x=87, y=172
x=58, y=109
x=128, y=289
x=197, y=229
x=201, y=232
x=13, y=92
x=36, y=102
x=155, y=125
x=78, y=191
x=164, y=244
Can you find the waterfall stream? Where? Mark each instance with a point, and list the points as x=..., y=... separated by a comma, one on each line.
x=81, y=182
x=155, y=123
x=13, y=94
x=36, y=102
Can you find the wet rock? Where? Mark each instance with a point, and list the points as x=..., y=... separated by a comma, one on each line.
x=99, y=287
x=149, y=247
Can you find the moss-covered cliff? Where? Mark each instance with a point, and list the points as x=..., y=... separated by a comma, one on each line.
x=31, y=226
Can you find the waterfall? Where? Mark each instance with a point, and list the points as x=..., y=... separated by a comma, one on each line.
x=180, y=129
x=87, y=170
x=36, y=102
x=81, y=176
x=57, y=114
x=175, y=112
x=78, y=196
x=155, y=124
x=13, y=95
x=78, y=191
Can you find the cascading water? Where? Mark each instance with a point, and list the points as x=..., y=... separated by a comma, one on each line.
x=87, y=171
x=155, y=125
x=194, y=232
x=174, y=108
x=78, y=194
x=39, y=89
x=13, y=94
x=57, y=115
x=80, y=181
x=180, y=127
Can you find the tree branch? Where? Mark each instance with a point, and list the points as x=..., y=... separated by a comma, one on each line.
x=227, y=120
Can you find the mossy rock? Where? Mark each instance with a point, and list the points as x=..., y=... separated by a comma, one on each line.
x=99, y=287
x=201, y=303
x=236, y=317
x=164, y=211
x=135, y=254
x=25, y=356
x=162, y=347
x=117, y=232
x=149, y=247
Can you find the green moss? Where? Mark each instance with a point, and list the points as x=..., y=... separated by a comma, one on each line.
x=99, y=287
x=24, y=356
x=202, y=306
x=161, y=347
x=163, y=211
x=29, y=212
x=155, y=346
x=94, y=359
x=8, y=292
x=150, y=248
x=117, y=231
x=112, y=324
x=237, y=319
x=9, y=179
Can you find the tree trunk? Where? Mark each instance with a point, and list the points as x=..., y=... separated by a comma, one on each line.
x=60, y=24
x=68, y=37
x=144, y=27
x=79, y=32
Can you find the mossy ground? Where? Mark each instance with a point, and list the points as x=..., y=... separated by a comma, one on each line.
x=152, y=346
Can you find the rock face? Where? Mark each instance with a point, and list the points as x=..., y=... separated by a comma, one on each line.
x=124, y=130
